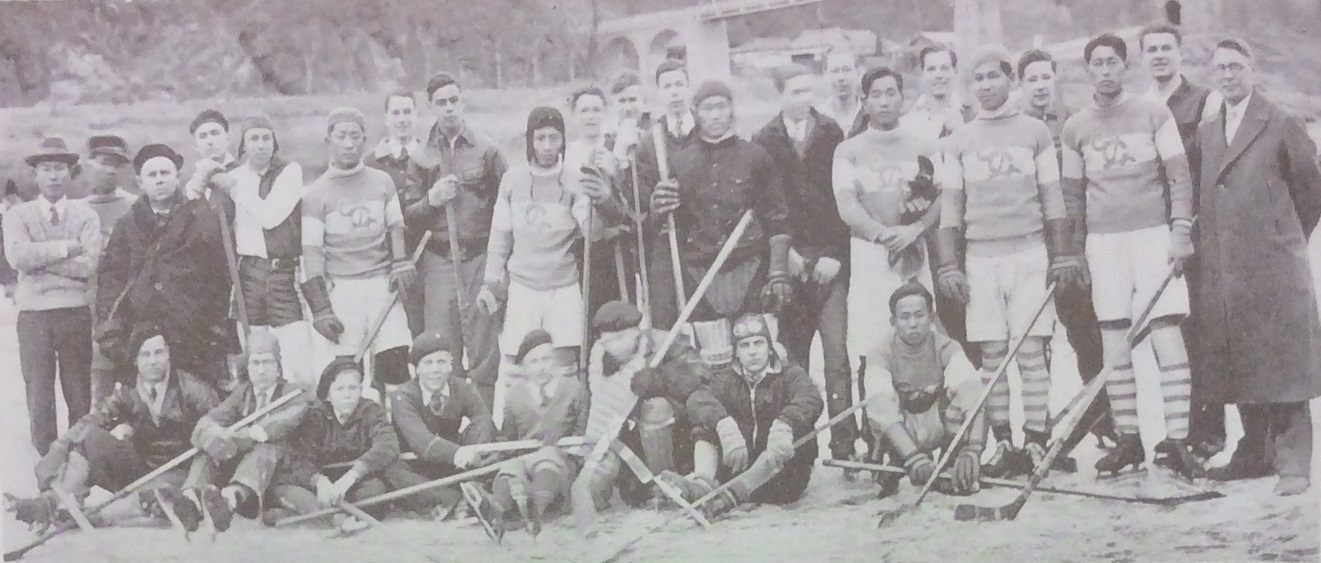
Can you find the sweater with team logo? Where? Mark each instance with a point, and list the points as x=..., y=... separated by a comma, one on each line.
x=348, y=214
x=1124, y=166
x=1001, y=178
x=870, y=175
x=539, y=215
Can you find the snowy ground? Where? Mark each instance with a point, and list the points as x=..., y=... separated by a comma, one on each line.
x=1249, y=523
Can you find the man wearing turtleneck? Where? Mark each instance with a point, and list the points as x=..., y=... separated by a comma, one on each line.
x=354, y=255
x=715, y=181
x=1126, y=175
x=923, y=389
x=542, y=210
x=1003, y=196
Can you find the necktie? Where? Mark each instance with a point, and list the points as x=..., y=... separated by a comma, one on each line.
x=436, y=404
x=403, y=154
x=545, y=393
x=54, y=215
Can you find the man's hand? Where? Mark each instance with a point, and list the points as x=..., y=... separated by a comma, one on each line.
x=733, y=448
x=329, y=326
x=122, y=432
x=345, y=482
x=445, y=188
x=967, y=471
x=466, y=457
x=780, y=442
x=665, y=198
x=920, y=468
x=953, y=284
x=326, y=491
x=1070, y=271
x=826, y=270
x=897, y=239
x=594, y=186
x=603, y=159
x=487, y=302
x=798, y=266
x=402, y=275
x=257, y=434
x=223, y=181
x=1181, y=249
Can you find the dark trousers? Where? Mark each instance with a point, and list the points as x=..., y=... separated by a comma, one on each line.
x=57, y=341
x=1206, y=420
x=1075, y=311
x=825, y=310
x=1280, y=434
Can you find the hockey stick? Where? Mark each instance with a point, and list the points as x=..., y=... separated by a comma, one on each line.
x=377, y=525
x=394, y=298
x=855, y=407
x=1085, y=398
x=888, y=517
x=401, y=493
x=663, y=166
x=1009, y=483
x=152, y=475
x=645, y=475
x=586, y=295
x=643, y=286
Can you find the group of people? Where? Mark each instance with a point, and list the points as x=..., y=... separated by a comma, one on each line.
x=653, y=286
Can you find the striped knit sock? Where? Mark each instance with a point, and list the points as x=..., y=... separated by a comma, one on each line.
x=1122, y=388
x=997, y=405
x=1036, y=387
x=1176, y=384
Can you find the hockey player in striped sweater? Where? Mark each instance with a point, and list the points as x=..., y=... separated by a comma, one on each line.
x=1126, y=174
x=1002, y=193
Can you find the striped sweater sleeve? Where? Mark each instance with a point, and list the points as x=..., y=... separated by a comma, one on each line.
x=1169, y=147
x=501, y=243
x=950, y=177
x=1072, y=185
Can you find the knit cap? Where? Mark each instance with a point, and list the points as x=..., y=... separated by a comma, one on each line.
x=996, y=54
x=345, y=113
x=712, y=88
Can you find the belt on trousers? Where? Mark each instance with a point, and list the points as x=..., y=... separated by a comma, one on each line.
x=467, y=249
x=273, y=263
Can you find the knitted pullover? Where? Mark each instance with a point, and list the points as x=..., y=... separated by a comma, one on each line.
x=1124, y=166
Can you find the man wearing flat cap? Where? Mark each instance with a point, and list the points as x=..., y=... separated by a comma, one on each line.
x=715, y=181
x=623, y=386
x=53, y=243
x=105, y=169
x=165, y=263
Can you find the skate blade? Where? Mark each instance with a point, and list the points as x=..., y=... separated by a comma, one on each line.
x=1122, y=475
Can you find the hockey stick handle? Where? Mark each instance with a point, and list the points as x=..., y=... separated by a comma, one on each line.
x=394, y=298
x=663, y=167
x=401, y=493
x=641, y=235
x=970, y=417
x=1084, y=399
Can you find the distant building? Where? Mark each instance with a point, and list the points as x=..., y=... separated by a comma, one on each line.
x=809, y=49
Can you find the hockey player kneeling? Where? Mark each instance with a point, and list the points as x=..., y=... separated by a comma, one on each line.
x=752, y=411
x=925, y=387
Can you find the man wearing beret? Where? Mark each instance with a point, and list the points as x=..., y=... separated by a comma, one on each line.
x=429, y=410
x=746, y=419
x=137, y=428
x=53, y=242
x=165, y=263
x=243, y=461
x=624, y=387
x=715, y=181
x=355, y=259
x=107, y=164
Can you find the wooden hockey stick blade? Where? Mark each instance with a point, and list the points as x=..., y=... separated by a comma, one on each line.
x=473, y=499
x=58, y=529
x=644, y=474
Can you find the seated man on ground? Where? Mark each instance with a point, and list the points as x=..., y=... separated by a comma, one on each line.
x=924, y=388
x=341, y=430
x=625, y=391
x=242, y=461
x=545, y=405
x=133, y=431
x=752, y=411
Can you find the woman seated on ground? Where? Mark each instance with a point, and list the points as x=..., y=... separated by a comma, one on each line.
x=345, y=450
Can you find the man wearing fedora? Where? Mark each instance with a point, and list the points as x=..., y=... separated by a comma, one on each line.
x=104, y=170
x=53, y=242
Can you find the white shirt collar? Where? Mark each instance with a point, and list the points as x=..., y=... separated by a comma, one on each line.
x=144, y=390
x=391, y=146
x=685, y=125
x=797, y=129
x=47, y=206
x=426, y=395
x=1240, y=107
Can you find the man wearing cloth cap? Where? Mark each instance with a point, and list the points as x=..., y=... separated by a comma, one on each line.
x=715, y=181
x=53, y=243
x=266, y=191
x=210, y=132
x=107, y=163
x=245, y=460
x=137, y=428
x=544, y=405
x=165, y=263
x=623, y=386
x=429, y=410
x=458, y=172
x=354, y=255
x=1002, y=194
x=746, y=419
